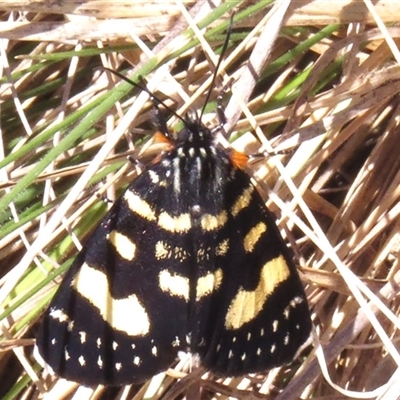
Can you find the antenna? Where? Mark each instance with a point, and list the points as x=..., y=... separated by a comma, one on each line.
x=157, y=101
x=153, y=97
x=225, y=46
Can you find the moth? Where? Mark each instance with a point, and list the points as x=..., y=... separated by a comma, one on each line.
x=187, y=259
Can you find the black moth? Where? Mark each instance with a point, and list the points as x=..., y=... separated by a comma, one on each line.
x=189, y=258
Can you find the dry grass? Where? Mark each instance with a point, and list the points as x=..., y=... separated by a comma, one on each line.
x=329, y=93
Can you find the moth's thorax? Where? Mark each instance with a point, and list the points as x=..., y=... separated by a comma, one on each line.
x=197, y=165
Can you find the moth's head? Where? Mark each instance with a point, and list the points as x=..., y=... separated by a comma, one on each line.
x=192, y=135
x=194, y=131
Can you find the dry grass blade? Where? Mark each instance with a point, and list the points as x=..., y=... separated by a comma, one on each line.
x=327, y=93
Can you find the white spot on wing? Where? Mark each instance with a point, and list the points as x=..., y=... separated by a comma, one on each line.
x=59, y=315
x=154, y=351
x=153, y=176
x=70, y=326
x=82, y=336
x=286, y=339
x=137, y=361
x=297, y=300
x=82, y=361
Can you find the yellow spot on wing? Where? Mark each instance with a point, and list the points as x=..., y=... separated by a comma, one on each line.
x=124, y=246
x=222, y=248
x=179, y=224
x=208, y=283
x=139, y=206
x=162, y=250
x=177, y=285
x=203, y=254
x=246, y=305
x=174, y=284
x=242, y=201
x=254, y=236
x=92, y=284
x=211, y=222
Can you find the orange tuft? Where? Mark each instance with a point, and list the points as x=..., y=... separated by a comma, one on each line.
x=159, y=137
x=238, y=159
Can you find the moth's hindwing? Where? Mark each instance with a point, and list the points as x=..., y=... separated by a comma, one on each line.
x=188, y=258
